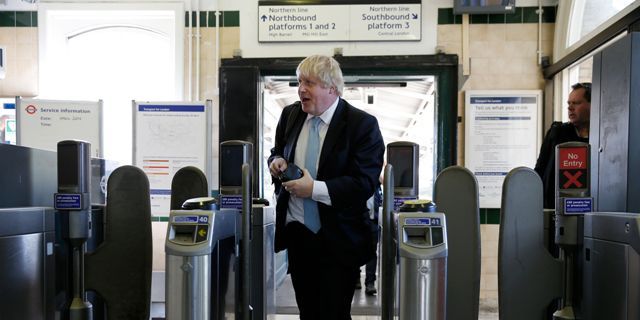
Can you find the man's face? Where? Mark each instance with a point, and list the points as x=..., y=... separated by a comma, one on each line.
x=314, y=96
x=579, y=108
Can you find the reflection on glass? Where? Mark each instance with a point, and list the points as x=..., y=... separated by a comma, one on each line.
x=589, y=14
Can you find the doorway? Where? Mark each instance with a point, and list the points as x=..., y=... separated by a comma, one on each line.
x=403, y=105
x=403, y=92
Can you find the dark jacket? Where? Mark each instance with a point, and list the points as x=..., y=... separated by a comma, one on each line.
x=350, y=163
x=546, y=165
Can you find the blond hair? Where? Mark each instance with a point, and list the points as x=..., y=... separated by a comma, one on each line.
x=325, y=68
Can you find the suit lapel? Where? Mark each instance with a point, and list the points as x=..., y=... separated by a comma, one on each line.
x=336, y=127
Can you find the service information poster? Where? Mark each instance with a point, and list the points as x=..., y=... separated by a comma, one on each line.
x=502, y=132
x=167, y=137
x=343, y=22
x=43, y=123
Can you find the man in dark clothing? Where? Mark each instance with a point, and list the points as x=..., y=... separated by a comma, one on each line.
x=322, y=218
x=577, y=129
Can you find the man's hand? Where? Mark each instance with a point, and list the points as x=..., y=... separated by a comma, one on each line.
x=301, y=188
x=277, y=166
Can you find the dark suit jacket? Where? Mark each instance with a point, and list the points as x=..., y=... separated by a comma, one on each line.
x=350, y=163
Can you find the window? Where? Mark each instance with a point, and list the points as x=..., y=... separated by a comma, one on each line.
x=114, y=52
x=587, y=15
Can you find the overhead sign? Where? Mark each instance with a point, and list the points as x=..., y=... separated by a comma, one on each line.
x=572, y=165
x=343, y=22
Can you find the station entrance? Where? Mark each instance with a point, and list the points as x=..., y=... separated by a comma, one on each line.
x=403, y=92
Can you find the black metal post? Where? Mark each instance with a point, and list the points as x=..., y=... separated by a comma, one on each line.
x=387, y=298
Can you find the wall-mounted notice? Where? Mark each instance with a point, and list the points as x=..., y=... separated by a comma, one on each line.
x=339, y=22
x=43, y=123
x=9, y=131
x=502, y=132
x=168, y=136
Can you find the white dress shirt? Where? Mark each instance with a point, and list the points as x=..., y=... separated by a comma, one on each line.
x=320, y=191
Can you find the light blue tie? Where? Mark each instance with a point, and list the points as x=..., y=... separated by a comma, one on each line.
x=311, y=216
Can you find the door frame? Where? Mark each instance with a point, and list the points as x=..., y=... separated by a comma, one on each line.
x=241, y=101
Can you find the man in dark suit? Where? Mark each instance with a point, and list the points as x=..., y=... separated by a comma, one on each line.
x=322, y=217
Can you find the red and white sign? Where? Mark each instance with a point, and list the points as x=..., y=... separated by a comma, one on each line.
x=573, y=158
x=573, y=165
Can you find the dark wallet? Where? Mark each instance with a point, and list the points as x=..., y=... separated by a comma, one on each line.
x=292, y=172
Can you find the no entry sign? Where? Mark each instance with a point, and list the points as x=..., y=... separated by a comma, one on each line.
x=573, y=168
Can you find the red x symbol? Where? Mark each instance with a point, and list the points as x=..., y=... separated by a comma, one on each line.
x=573, y=179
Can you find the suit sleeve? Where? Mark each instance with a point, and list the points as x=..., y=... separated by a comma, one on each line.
x=363, y=154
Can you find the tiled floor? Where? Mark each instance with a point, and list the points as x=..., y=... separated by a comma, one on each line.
x=364, y=307
x=295, y=316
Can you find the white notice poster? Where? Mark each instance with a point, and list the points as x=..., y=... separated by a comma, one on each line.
x=502, y=132
x=167, y=137
x=43, y=123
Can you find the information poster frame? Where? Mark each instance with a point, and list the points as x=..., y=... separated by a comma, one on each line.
x=42, y=123
x=503, y=130
x=168, y=136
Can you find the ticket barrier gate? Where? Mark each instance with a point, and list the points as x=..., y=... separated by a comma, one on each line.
x=456, y=189
x=529, y=277
x=242, y=280
x=108, y=267
x=200, y=262
x=119, y=269
x=611, y=262
x=263, y=264
x=26, y=251
x=423, y=265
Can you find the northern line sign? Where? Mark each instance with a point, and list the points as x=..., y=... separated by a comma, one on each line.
x=339, y=22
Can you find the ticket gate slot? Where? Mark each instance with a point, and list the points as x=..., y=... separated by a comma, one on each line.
x=188, y=234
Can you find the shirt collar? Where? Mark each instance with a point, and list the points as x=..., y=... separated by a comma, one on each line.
x=327, y=115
